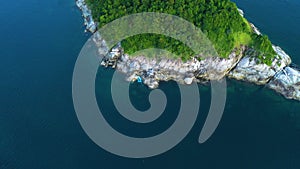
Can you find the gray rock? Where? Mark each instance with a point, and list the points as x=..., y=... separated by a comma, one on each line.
x=282, y=78
x=188, y=80
x=87, y=15
x=287, y=83
x=249, y=69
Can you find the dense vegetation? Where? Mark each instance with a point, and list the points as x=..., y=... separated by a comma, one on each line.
x=218, y=19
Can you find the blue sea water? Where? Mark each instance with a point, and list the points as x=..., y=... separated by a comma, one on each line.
x=40, y=41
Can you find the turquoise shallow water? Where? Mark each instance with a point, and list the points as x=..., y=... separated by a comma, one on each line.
x=40, y=41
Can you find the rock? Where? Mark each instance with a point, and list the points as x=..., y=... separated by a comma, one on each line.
x=145, y=67
x=241, y=12
x=249, y=69
x=287, y=83
x=255, y=29
x=188, y=80
x=87, y=15
x=132, y=77
x=282, y=78
x=124, y=58
x=215, y=68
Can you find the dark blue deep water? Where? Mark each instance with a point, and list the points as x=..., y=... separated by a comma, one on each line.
x=40, y=41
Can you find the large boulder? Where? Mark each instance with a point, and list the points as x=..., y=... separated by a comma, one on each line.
x=287, y=83
x=251, y=70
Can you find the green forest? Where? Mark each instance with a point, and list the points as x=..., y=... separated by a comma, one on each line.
x=219, y=20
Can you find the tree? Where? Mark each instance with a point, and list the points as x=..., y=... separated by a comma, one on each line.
x=219, y=20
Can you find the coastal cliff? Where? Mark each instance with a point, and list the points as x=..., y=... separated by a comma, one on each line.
x=240, y=65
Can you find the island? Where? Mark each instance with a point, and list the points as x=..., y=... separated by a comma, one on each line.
x=244, y=52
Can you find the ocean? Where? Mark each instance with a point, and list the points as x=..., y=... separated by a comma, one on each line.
x=40, y=42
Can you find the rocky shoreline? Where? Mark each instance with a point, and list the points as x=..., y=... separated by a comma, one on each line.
x=87, y=16
x=279, y=76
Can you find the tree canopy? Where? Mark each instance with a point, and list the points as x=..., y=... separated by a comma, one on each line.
x=218, y=19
